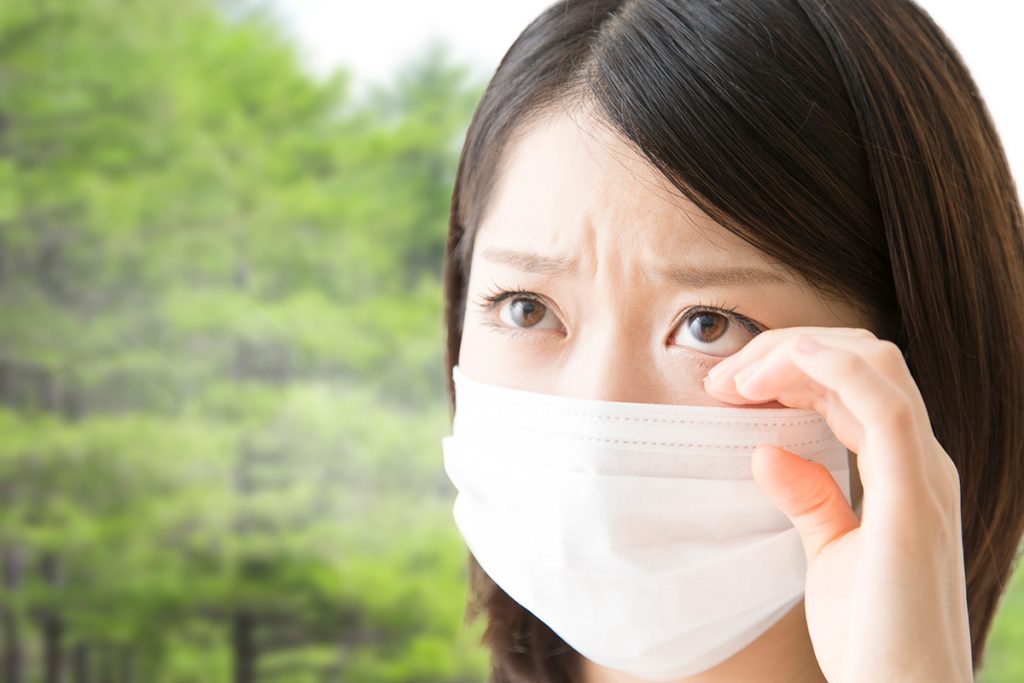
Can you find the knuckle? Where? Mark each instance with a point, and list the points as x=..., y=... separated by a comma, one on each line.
x=898, y=414
x=852, y=363
x=890, y=356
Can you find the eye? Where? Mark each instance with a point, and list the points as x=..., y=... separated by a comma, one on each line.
x=522, y=311
x=715, y=331
x=518, y=310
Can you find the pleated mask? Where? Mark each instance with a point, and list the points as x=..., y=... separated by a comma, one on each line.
x=635, y=531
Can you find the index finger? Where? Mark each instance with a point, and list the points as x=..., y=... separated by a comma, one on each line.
x=762, y=344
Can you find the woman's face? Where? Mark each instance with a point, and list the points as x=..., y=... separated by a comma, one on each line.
x=621, y=277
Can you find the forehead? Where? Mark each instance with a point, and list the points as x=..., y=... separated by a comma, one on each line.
x=569, y=182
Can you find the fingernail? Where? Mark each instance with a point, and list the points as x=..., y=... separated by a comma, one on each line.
x=722, y=370
x=722, y=386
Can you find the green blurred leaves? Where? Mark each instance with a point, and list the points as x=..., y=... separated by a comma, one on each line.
x=221, y=353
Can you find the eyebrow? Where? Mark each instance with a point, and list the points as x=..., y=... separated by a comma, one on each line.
x=692, y=278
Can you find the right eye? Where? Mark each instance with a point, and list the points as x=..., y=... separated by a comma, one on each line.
x=518, y=310
x=527, y=312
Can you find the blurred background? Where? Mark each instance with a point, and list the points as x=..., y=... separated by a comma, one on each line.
x=222, y=229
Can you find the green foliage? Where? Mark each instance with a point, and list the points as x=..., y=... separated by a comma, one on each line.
x=221, y=391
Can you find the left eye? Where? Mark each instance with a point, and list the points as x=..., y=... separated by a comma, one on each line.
x=713, y=332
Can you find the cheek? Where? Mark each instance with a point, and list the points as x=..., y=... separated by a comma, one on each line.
x=681, y=376
x=473, y=346
x=491, y=355
x=699, y=363
x=485, y=347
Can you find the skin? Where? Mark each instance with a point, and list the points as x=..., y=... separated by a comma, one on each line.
x=885, y=595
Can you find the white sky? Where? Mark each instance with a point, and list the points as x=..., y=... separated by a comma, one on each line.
x=372, y=37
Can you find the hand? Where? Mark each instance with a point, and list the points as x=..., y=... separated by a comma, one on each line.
x=886, y=595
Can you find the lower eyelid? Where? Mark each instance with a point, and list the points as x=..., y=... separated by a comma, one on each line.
x=505, y=328
x=514, y=331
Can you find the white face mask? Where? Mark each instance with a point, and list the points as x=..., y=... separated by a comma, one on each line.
x=633, y=530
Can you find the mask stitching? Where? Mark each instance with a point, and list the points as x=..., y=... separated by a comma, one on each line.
x=666, y=420
x=631, y=442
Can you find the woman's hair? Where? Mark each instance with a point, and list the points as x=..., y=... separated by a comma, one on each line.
x=846, y=140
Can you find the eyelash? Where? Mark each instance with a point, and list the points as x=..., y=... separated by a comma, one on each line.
x=489, y=301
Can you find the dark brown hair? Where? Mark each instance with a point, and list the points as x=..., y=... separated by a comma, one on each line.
x=846, y=140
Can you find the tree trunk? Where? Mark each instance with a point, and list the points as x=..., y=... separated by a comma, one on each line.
x=80, y=664
x=52, y=626
x=127, y=665
x=12, y=666
x=53, y=634
x=243, y=644
x=107, y=664
x=10, y=658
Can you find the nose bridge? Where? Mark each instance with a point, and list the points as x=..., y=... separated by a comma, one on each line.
x=611, y=359
x=611, y=364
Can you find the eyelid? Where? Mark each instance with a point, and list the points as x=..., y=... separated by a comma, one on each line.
x=490, y=299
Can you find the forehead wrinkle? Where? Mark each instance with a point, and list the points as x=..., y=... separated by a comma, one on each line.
x=683, y=277
x=644, y=173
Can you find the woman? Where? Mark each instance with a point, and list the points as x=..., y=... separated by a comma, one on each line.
x=648, y=187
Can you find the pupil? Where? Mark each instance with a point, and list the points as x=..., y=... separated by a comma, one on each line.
x=525, y=310
x=710, y=326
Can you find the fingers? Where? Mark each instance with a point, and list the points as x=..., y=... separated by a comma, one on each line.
x=764, y=343
x=742, y=381
x=807, y=494
x=887, y=429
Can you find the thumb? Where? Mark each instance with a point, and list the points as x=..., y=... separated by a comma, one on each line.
x=806, y=493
